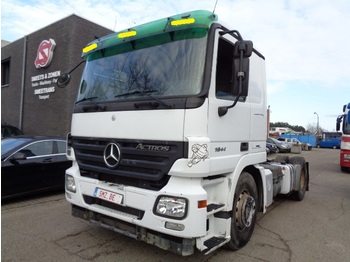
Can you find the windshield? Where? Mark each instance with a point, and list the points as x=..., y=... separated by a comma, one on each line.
x=346, y=124
x=159, y=68
x=8, y=144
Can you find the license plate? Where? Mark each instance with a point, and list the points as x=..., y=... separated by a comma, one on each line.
x=108, y=196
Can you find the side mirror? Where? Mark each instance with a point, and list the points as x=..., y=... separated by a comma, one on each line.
x=63, y=80
x=16, y=157
x=244, y=47
x=338, y=126
x=339, y=120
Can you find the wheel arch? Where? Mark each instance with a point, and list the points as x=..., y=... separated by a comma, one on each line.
x=255, y=172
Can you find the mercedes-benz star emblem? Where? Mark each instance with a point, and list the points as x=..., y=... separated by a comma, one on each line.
x=111, y=155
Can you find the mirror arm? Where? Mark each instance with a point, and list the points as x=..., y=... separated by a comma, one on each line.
x=76, y=66
x=64, y=79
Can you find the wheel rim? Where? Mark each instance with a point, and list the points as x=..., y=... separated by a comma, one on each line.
x=245, y=210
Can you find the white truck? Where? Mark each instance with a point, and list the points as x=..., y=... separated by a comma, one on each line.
x=168, y=136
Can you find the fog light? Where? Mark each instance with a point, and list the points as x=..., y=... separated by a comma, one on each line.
x=174, y=226
x=172, y=207
x=70, y=183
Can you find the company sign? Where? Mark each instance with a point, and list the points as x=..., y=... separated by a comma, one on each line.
x=45, y=53
x=44, y=84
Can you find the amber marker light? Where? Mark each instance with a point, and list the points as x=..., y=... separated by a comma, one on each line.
x=186, y=21
x=202, y=203
x=127, y=34
x=89, y=48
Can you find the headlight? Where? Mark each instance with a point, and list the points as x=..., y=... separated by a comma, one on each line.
x=70, y=184
x=172, y=207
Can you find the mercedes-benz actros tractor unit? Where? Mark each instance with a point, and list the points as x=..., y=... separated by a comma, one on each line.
x=168, y=136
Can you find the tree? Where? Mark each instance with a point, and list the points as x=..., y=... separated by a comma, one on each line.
x=312, y=129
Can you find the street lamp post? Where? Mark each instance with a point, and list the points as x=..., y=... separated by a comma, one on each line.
x=318, y=122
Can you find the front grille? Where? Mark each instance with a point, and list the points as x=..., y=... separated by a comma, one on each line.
x=137, y=167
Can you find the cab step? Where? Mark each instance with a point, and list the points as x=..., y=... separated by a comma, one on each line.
x=214, y=208
x=214, y=243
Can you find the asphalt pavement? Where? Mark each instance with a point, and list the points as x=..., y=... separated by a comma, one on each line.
x=316, y=229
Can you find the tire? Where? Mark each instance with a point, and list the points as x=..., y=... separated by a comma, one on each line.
x=244, y=211
x=277, y=150
x=344, y=169
x=304, y=178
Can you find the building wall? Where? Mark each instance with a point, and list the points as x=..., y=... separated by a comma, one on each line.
x=47, y=109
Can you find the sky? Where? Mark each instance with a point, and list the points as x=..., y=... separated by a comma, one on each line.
x=305, y=42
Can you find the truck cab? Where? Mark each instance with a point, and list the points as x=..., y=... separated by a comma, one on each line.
x=343, y=124
x=168, y=135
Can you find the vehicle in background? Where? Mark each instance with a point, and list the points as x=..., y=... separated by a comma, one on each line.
x=295, y=141
x=272, y=148
x=329, y=143
x=32, y=164
x=282, y=147
x=345, y=138
x=8, y=131
x=277, y=131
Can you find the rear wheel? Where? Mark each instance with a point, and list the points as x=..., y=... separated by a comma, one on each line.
x=244, y=211
x=344, y=169
x=300, y=193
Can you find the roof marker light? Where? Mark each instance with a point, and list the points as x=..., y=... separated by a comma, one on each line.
x=89, y=48
x=185, y=21
x=127, y=34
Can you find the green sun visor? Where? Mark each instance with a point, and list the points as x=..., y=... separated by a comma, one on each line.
x=193, y=24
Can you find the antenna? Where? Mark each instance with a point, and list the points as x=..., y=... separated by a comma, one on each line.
x=216, y=2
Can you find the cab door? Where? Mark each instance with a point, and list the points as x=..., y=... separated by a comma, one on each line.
x=231, y=131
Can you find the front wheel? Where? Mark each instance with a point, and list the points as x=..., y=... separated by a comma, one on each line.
x=244, y=211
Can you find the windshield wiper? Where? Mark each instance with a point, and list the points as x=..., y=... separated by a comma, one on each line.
x=136, y=92
x=94, y=107
x=137, y=105
x=86, y=99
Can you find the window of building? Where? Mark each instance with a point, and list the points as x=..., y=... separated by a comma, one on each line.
x=5, y=72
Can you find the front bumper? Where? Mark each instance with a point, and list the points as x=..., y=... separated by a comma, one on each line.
x=181, y=246
x=135, y=216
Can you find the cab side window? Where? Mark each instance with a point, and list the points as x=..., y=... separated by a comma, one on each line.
x=224, y=69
